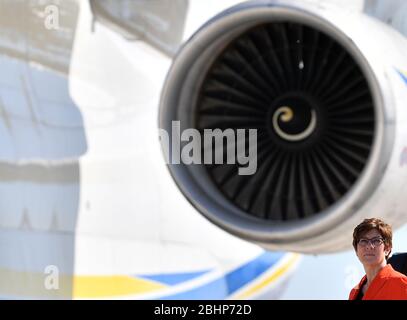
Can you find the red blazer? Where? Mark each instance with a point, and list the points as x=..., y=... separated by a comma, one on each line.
x=387, y=285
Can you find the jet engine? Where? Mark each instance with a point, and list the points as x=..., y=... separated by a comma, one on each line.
x=326, y=91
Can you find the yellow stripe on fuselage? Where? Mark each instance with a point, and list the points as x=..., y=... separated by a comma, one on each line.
x=21, y=284
x=33, y=284
x=280, y=271
x=88, y=287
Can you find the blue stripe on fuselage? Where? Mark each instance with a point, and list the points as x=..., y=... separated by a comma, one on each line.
x=224, y=286
x=174, y=278
x=403, y=75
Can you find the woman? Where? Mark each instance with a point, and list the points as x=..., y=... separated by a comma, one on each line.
x=372, y=240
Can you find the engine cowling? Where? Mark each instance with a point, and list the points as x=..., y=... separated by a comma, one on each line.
x=324, y=89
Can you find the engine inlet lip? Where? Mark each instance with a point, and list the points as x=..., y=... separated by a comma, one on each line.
x=177, y=96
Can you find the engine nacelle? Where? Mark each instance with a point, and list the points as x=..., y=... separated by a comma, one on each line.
x=326, y=92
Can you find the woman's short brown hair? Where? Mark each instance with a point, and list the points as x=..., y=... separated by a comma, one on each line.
x=374, y=223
